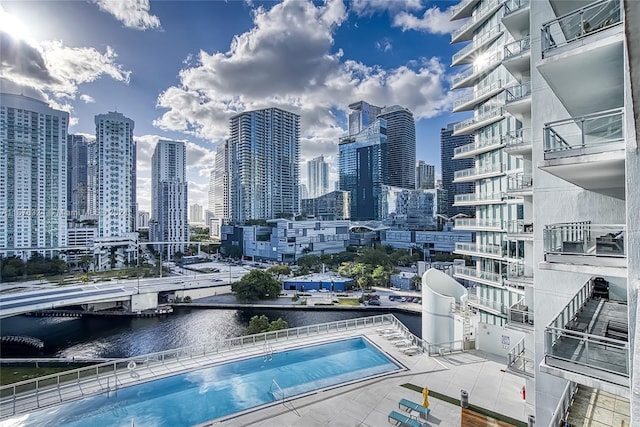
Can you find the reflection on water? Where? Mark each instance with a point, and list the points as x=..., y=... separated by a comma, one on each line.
x=118, y=337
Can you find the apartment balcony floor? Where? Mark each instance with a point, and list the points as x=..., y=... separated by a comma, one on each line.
x=517, y=21
x=518, y=64
x=591, y=406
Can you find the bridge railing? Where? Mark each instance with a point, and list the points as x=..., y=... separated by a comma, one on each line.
x=26, y=396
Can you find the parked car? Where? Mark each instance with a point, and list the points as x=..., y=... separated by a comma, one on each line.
x=374, y=302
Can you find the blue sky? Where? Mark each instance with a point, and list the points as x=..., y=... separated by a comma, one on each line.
x=180, y=69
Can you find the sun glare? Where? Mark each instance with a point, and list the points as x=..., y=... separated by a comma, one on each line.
x=12, y=25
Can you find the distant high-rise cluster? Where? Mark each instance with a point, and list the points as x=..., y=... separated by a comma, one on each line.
x=317, y=177
x=77, y=184
x=425, y=175
x=448, y=143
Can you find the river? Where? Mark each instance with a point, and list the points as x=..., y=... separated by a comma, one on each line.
x=127, y=337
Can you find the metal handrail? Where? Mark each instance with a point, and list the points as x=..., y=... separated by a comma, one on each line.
x=517, y=47
x=584, y=238
x=480, y=14
x=511, y=6
x=478, y=93
x=496, y=140
x=605, y=127
x=480, y=40
x=494, y=112
x=517, y=92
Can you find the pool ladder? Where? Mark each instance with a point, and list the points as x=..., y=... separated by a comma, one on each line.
x=267, y=350
x=278, y=389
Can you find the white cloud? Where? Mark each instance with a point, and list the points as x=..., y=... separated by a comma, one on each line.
x=384, y=45
x=434, y=21
x=87, y=99
x=132, y=13
x=288, y=60
x=370, y=7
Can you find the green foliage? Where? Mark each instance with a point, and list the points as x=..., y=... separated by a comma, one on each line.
x=197, y=229
x=311, y=262
x=256, y=285
x=303, y=302
x=280, y=270
x=186, y=299
x=260, y=324
x=255, y=222
x=295, y=298
x=376, y=257
x=233, y=251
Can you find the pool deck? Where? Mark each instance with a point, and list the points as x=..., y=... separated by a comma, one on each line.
x=361, y=403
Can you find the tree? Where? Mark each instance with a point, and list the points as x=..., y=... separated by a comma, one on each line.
x=280, y=270
x=375, y=257
x=278, y=324
x=380, y=276
x=260, y=324
x=257, y=285
x=85, y=262
x=177, y=257
x=311, y=262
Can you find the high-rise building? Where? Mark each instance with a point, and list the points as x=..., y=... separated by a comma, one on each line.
x=220, y=188
x=196, y=214
x=362, y=170
x=449, y=142
x=317, y=177
x=211, y=195
x=571, y=259
x=33, y=177
x=401, y=146
x=328, y=207
x=115, y=184
x=92, y=179
x=304, y=194
x=264, y=169
x=425, y=176
x=361, y=116
x=77, y=183
x=169, y=201
x=143, y=219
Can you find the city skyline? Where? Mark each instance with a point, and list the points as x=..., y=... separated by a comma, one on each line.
x=140, y=62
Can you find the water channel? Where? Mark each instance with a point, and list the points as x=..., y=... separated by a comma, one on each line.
x=118, y=337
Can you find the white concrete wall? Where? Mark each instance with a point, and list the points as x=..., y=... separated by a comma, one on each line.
x=141, y=302
x=496, y=340
x=439, y=294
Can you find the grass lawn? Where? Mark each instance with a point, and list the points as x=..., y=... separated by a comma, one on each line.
x=14, y=374
x=349, y=301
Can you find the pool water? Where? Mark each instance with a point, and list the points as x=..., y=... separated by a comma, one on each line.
x=214, y=392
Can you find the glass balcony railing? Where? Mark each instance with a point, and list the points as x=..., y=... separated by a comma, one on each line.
x=571, y=340
x=496, y=142
x=478, y=223
x=517, y=138
x=519, y=182
x=479, y=41
x=495, y=168
x=584, y=238
x=485, y=303
x=519, y=226
x=517, y=47
x=518, y=92
x=494, y=250
x=478, y=94
x=593, y=130
x=580, y=23
x=464, y=4
x=477, y=121
x=481, y=66
x=519, y=271
x=479, y=16
x=482, y=197
x=511, y=6
x=472, y=274
x=520, y=314
x=517, y=358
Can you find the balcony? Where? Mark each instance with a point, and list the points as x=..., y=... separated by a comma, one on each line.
x=588, y=151
x=479, y=17
x=518, y=142
x=516, y=16
x=486, y=118
x=519, y=229
x=483, y=65
x=478, y=96
x=483, y=251
x=473, y=199
x=517, y=58
x=588, y=342
x=464, y=9
x=470, y=273
x=518, y=100
x=485, y=304
x=581, y=51
x=479, y=146
x=469, y=53
x=586, y=244
x=477, y=173
x=479, y=224
x=520, y=273
x=519, y=361
x=520, y=185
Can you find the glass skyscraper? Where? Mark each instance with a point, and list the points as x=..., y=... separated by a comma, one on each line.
x=448, y=144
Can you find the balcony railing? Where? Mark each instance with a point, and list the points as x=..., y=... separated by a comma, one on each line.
x=569, y=345
x=481, y=14
x=462, y=5
x=518, y=92
x=478, y=68
x=519, y=182
x=494, y=250
x=487, y=115
x=496, y=142
x=480, y=40
x=584, y=238
x=519, y=226
x=493, y=168
x=517, y=138
x=482, y=197
x=593, y=130
x=478, y=223
x=474, y=274
x=519, y=314
x=511, y=6
x=517, y=47
x=517, y=360
x=519, y=271
x=477, y=94
x=580, y=23
x=486, y=303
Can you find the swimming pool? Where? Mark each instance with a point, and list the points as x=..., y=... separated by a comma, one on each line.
x=218, y=391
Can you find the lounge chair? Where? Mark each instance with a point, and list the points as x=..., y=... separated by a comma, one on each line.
x=412, y=406
x=392, y=337
x=403, y=343
x=398, y=419
x=411, y=350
